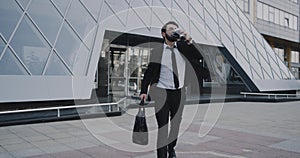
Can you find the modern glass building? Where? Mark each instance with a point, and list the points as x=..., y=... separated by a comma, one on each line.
x=66, y=49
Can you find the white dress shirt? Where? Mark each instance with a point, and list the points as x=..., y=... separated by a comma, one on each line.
x=166, y=80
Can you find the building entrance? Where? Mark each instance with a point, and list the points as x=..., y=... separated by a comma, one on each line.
x=121, y=66
x=125, y=69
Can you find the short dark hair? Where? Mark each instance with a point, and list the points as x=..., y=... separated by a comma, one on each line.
x=164, y=28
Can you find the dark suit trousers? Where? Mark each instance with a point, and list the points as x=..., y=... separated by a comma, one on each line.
x=168, y=105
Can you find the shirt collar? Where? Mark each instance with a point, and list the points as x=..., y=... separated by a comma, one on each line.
x=167, y=46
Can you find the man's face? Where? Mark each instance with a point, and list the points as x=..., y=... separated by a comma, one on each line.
x=169, y=29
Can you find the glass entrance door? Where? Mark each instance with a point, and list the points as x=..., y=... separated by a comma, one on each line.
x=126, y=66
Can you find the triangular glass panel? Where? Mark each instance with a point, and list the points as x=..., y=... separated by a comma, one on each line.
x=197, y=11
x=148, y=2
x=2, y=45
x=10, y=14
x=56, y=67
x=105, y=12
x=31, y=47
x=93, y=6
x=46, y=17
x=75, y=16
x=9, y=65
x=24, y=3
x=136, y=4
x=118, y=7
x=68, y=45
x=62, y=5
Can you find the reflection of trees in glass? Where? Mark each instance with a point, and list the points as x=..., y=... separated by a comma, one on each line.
x=35, y=58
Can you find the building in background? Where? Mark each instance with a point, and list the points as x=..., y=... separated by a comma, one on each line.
x=278, y=22
x=54, y=50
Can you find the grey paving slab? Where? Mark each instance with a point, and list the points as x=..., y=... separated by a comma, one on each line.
x=10, y=141
x=71, y=154
x=8, y=136
x=36, y=138
x=6, y=155
x=193, y=138
x=97, y=152
x=290, y=145
x=18, y=146
x=27, y=152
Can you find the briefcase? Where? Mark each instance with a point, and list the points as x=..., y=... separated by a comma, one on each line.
x=140, y=129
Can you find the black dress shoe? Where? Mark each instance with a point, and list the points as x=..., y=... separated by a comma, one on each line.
x=172, y=154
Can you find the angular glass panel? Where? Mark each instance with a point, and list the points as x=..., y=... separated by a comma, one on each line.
x=231, y=3
x=81, y=61
x=222, y=3
x=273, y=62
x=264, y=61
x=182, y=6
x=247, y=32
x=244, y=20
x=81, y=20
x=222, y=11
x=46, y=17
x=212, y=24
x=254, y=62
x=167, y=3
x=143, y=11
x=9, y=65
x=68, y=45
x=118, y=6
x=236, y=29
x=196, y=11
x=233, y=15
x=10, y=14
x=93, y=6
x=105, y=12
x=197, y=31
x=210, y=8
x=56, y=67
x=2, y=45
x=141, y=3
x=255, y=74
x=24, y=3
x=267, y=75
x=225, y=26
x=243, y=62
x=158, y=3
x=30, y=46
x=166, y=12
x=62, y=5
x=251, y=47
x=148, y=2
x=228, y=43
x=238, y=43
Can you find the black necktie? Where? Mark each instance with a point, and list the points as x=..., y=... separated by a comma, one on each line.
x=175, y=70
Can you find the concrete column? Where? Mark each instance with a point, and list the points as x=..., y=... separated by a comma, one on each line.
x=288, y=52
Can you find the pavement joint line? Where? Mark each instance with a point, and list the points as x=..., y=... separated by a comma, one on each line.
x=211, y=153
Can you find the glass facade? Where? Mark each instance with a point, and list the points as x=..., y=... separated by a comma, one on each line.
x=41, y=33
x=43, y=39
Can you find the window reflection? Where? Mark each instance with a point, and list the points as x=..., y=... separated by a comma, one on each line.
x=9, y=65
x=31, y=47
x=10, y=14
x=46, y=17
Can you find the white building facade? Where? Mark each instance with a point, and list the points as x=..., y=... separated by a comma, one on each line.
x=51, y=49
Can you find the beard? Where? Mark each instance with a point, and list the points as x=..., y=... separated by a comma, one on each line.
x=171, y=38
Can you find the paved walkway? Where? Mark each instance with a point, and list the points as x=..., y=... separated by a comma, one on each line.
x=242, y=130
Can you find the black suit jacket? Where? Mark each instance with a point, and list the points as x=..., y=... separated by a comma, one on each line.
x=151, y=75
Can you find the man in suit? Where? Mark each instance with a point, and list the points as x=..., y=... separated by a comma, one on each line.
x=166, y=74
